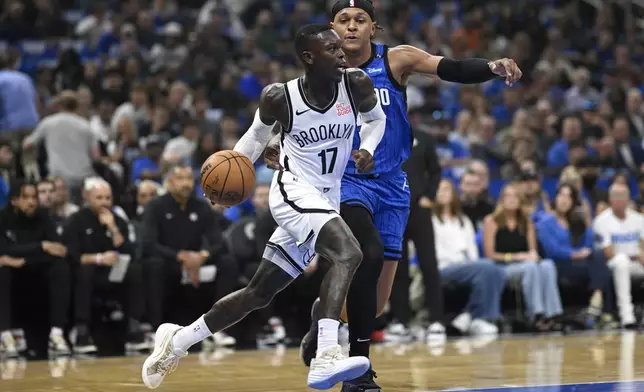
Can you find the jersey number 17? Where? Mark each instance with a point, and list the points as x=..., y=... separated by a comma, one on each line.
x=328, y=168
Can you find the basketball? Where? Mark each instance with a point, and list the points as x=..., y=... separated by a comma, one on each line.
x=227, y=178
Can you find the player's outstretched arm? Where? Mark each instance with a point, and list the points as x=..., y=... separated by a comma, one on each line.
x=271, y=105
x=373, y=118
x=468, y=71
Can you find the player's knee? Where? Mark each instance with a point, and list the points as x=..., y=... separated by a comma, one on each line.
x=258, y=297
x=351, y=253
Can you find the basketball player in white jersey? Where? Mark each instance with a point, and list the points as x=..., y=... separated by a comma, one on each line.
x=317, y=115
x=619, y=233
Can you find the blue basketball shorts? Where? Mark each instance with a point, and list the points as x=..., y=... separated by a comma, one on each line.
x=386, y=197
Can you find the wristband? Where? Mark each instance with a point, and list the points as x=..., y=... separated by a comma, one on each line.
x=508, y=257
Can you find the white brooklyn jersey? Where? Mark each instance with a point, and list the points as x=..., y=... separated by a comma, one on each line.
x=316, y=144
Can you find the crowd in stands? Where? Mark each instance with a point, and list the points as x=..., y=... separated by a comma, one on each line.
x=108, y=109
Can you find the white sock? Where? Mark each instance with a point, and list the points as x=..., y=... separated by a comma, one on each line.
x=186, y=337
x=327, y=333
x=55, y=331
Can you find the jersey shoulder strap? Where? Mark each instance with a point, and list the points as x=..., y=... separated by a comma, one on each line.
x=292, y=101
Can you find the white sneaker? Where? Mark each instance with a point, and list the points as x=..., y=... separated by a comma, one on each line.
x=8, y=344
x=163, y=359
x=482, y=327
x=330, y=367
x=397, y=333
x=222, y=339
x=436, y=334
x=462, y=322
x=21, y=342
x=57, y=343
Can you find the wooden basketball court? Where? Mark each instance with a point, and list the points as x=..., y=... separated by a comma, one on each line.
x=581, y=363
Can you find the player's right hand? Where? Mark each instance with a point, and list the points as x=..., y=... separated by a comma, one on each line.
x=363, y=160
x=272, y=156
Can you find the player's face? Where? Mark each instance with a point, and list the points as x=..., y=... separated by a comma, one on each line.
x=355, y=27
x=328, y=57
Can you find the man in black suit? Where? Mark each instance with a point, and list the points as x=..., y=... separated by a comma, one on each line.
x=424, y=174
x=629, y=153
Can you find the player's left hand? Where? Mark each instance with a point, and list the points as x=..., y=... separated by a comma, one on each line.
x=508, y=69
x=363, y=160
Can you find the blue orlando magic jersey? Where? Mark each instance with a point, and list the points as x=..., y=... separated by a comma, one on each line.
x=395, y=146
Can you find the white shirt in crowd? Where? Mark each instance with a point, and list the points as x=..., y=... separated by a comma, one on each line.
x=623, y=235
x=179, y=147
x=455, y=241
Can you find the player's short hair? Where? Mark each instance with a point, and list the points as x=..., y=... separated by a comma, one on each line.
x=304, y=36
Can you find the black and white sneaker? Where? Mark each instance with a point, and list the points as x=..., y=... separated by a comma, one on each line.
x=82, y=341
x=57, y=344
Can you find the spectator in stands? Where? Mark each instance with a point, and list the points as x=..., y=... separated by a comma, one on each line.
x=459, y=262
x=464, y=123
x=535, y=200
x=137, y=110
x=100, y=245
x=149, y=165
x=172, y=53
x=630, y=154
x=18, y=98
x=182, y=148
x=566, y=238
x=475, y=203
x=509, y=239
x=635, y=113
x=6, y=169
x=581, y=92
x=453, y=155
x=639, y=202
x=619, y=233
x=558, y=154
x=63, y=208
x=29, y=240
x=484, y=146
x=589, y=169
x=182, y=238
x=571, y=176
x=70, y=144
x=46, y=193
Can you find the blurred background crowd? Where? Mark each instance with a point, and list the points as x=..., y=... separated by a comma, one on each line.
x=107, y=106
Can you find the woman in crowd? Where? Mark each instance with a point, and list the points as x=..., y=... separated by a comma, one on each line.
x=567, y=239
x=570, y=175
x=459, y=262
x=509, y=239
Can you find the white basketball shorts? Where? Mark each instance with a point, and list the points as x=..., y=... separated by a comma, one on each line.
x=300, y=210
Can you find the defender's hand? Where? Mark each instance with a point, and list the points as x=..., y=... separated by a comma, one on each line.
x=363, y=160
x=272, y=155
x=508, y=69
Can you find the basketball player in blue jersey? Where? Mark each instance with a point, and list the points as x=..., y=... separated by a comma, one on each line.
x=376, y=205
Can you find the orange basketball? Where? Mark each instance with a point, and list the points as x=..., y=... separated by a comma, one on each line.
x=227, y=178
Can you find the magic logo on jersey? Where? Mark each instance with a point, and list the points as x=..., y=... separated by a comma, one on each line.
x=323, y=133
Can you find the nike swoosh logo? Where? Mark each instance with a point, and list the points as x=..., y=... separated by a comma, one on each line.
x=297, y=113
x=362, y=340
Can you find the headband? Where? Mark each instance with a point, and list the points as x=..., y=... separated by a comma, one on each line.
x=364, y=5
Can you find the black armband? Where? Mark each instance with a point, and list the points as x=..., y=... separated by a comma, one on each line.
x=468, y=71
